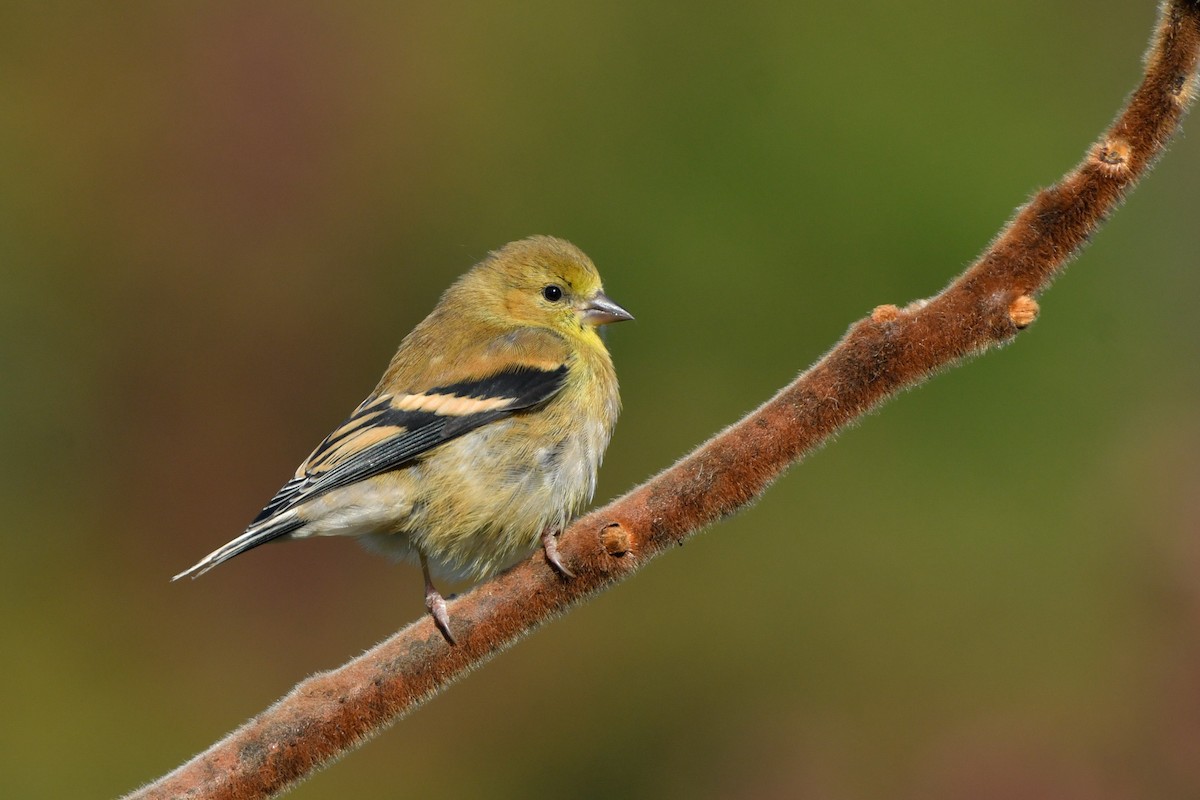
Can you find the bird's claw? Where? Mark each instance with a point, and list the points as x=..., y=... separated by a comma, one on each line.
x=435, y=604
x=550, y=546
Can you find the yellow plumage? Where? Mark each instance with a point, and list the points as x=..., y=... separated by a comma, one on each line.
x=484, y=434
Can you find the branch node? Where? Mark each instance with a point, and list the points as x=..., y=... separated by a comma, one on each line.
x=1023, y=311
x=1113, y=155
x=885, y=313
x=615, y=540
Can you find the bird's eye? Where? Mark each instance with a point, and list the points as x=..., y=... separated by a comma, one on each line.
x=552, y=293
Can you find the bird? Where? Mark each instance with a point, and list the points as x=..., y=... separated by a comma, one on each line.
x=483, y=437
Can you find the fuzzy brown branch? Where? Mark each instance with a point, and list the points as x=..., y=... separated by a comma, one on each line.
x=332, y=712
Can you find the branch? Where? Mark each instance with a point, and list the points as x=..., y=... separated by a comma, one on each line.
x=330, y=713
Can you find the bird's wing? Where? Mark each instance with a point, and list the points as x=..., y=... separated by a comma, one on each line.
x=389, y=430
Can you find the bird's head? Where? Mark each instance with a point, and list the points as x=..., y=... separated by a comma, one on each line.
x=547, y=283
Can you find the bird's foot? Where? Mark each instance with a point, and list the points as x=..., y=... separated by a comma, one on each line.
x=550, y=546
x=435, y=604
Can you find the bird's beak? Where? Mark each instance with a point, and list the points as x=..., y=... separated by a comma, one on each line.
x=602, y=311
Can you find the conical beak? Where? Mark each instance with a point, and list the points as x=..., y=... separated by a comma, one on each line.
x=602, y=311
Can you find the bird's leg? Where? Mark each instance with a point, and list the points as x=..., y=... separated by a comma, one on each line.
x=435, y=604
x=550, y=545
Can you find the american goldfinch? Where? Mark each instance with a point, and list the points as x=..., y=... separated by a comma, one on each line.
x=482, y=438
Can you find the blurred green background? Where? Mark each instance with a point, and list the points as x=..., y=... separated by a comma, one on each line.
x=218, y=219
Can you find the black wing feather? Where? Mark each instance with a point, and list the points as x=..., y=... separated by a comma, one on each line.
x=417, y=432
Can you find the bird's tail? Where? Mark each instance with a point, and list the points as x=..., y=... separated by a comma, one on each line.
x=253, y=537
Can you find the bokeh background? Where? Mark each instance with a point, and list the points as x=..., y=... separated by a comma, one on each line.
x=218, y=219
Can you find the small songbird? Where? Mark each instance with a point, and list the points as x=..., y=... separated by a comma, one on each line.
x=482, y=438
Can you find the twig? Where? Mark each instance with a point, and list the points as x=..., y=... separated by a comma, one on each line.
x=332, y=712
